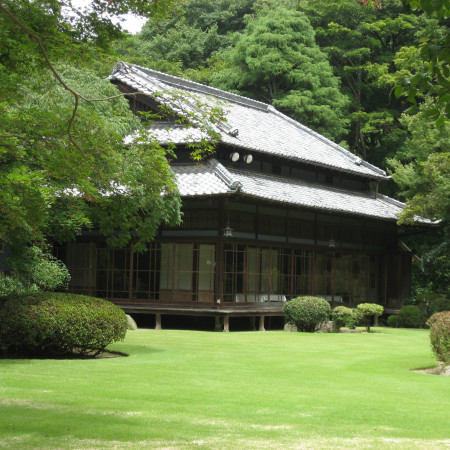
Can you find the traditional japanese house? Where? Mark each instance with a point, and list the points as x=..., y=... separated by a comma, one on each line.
x=277, y=211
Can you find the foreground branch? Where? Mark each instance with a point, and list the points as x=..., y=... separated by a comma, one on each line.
x=77, y=96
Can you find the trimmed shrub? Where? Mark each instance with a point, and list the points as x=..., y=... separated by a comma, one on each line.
x=342, y=317
x=368, y=313
x=59, y=324
x=392, y=321
x=355, y=319
x=410, y=317
x=440, y=335
x=307, y=313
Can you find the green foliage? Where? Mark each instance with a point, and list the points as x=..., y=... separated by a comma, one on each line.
x=64, y=166
x=307, y=313
x=410, y=316
x=434, y=268
x=368, y=313
x=277, y=60
x=49, y=273
x=13, y=286
x=182, y=43
x=57, y=182
x=432, y=77
x=358, y=36
x=59, y=324
x=440, y=335
x=429, y=302
x=341, y=317
x=439, y=304
x=392, y=321
x=33, y=270
x=421, y=168
x=190, y=37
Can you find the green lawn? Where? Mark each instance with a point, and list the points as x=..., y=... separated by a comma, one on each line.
x=187, y=389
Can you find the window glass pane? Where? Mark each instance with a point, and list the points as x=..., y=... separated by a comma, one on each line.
x=253, y=268
x=269, y=268
x=184, y=254
x=206, y=267
x=166, y=266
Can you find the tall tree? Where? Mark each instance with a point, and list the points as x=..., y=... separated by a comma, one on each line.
x=421, y=167
x=277, y=60
x=431, y=74
x=191, y=36
x=64, y=165
x=356, y=35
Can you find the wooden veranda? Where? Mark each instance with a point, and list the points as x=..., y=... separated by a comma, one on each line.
x=221, y=312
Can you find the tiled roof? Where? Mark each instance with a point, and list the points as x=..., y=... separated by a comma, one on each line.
x=316, y=196
x=212, y=178
x=249, y=124
x=199, y=179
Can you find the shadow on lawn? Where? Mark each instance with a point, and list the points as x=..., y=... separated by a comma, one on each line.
x=13, y=358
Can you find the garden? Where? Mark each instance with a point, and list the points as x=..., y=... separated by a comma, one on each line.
x=190, y=389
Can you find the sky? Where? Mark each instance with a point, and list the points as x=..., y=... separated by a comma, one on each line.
x=132, y=23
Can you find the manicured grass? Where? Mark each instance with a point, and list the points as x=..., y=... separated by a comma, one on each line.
x=187, y=389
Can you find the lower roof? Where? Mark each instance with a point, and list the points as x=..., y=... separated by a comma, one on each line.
x=212, y=178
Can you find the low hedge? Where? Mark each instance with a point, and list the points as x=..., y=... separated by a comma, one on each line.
x=342, y=317
x=440, y=335
x=59, y=324
x=307, y=313
x=410, y=316
x=392, y=321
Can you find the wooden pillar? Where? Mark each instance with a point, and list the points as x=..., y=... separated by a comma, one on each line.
x=91, y=275
x=218, y=324
x=158, y=322
x=261, y=323
x=253, y=323
x=220, y=256
x=226, y=323
x=130, y=280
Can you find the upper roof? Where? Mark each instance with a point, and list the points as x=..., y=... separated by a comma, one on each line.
x=249, y=124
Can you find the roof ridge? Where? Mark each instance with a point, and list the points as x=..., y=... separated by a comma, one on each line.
x=391, y=200
x=224, y=174
x=352, y=157
x=193, y=85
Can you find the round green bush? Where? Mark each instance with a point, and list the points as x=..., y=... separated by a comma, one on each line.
x=59, y=324
x=440, y=335
x=307, y=313
x=392, y=321
x=368, y=313
x=410, y=316
x=342, y=317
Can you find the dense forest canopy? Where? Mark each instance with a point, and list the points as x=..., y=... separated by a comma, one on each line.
x=371, y=74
